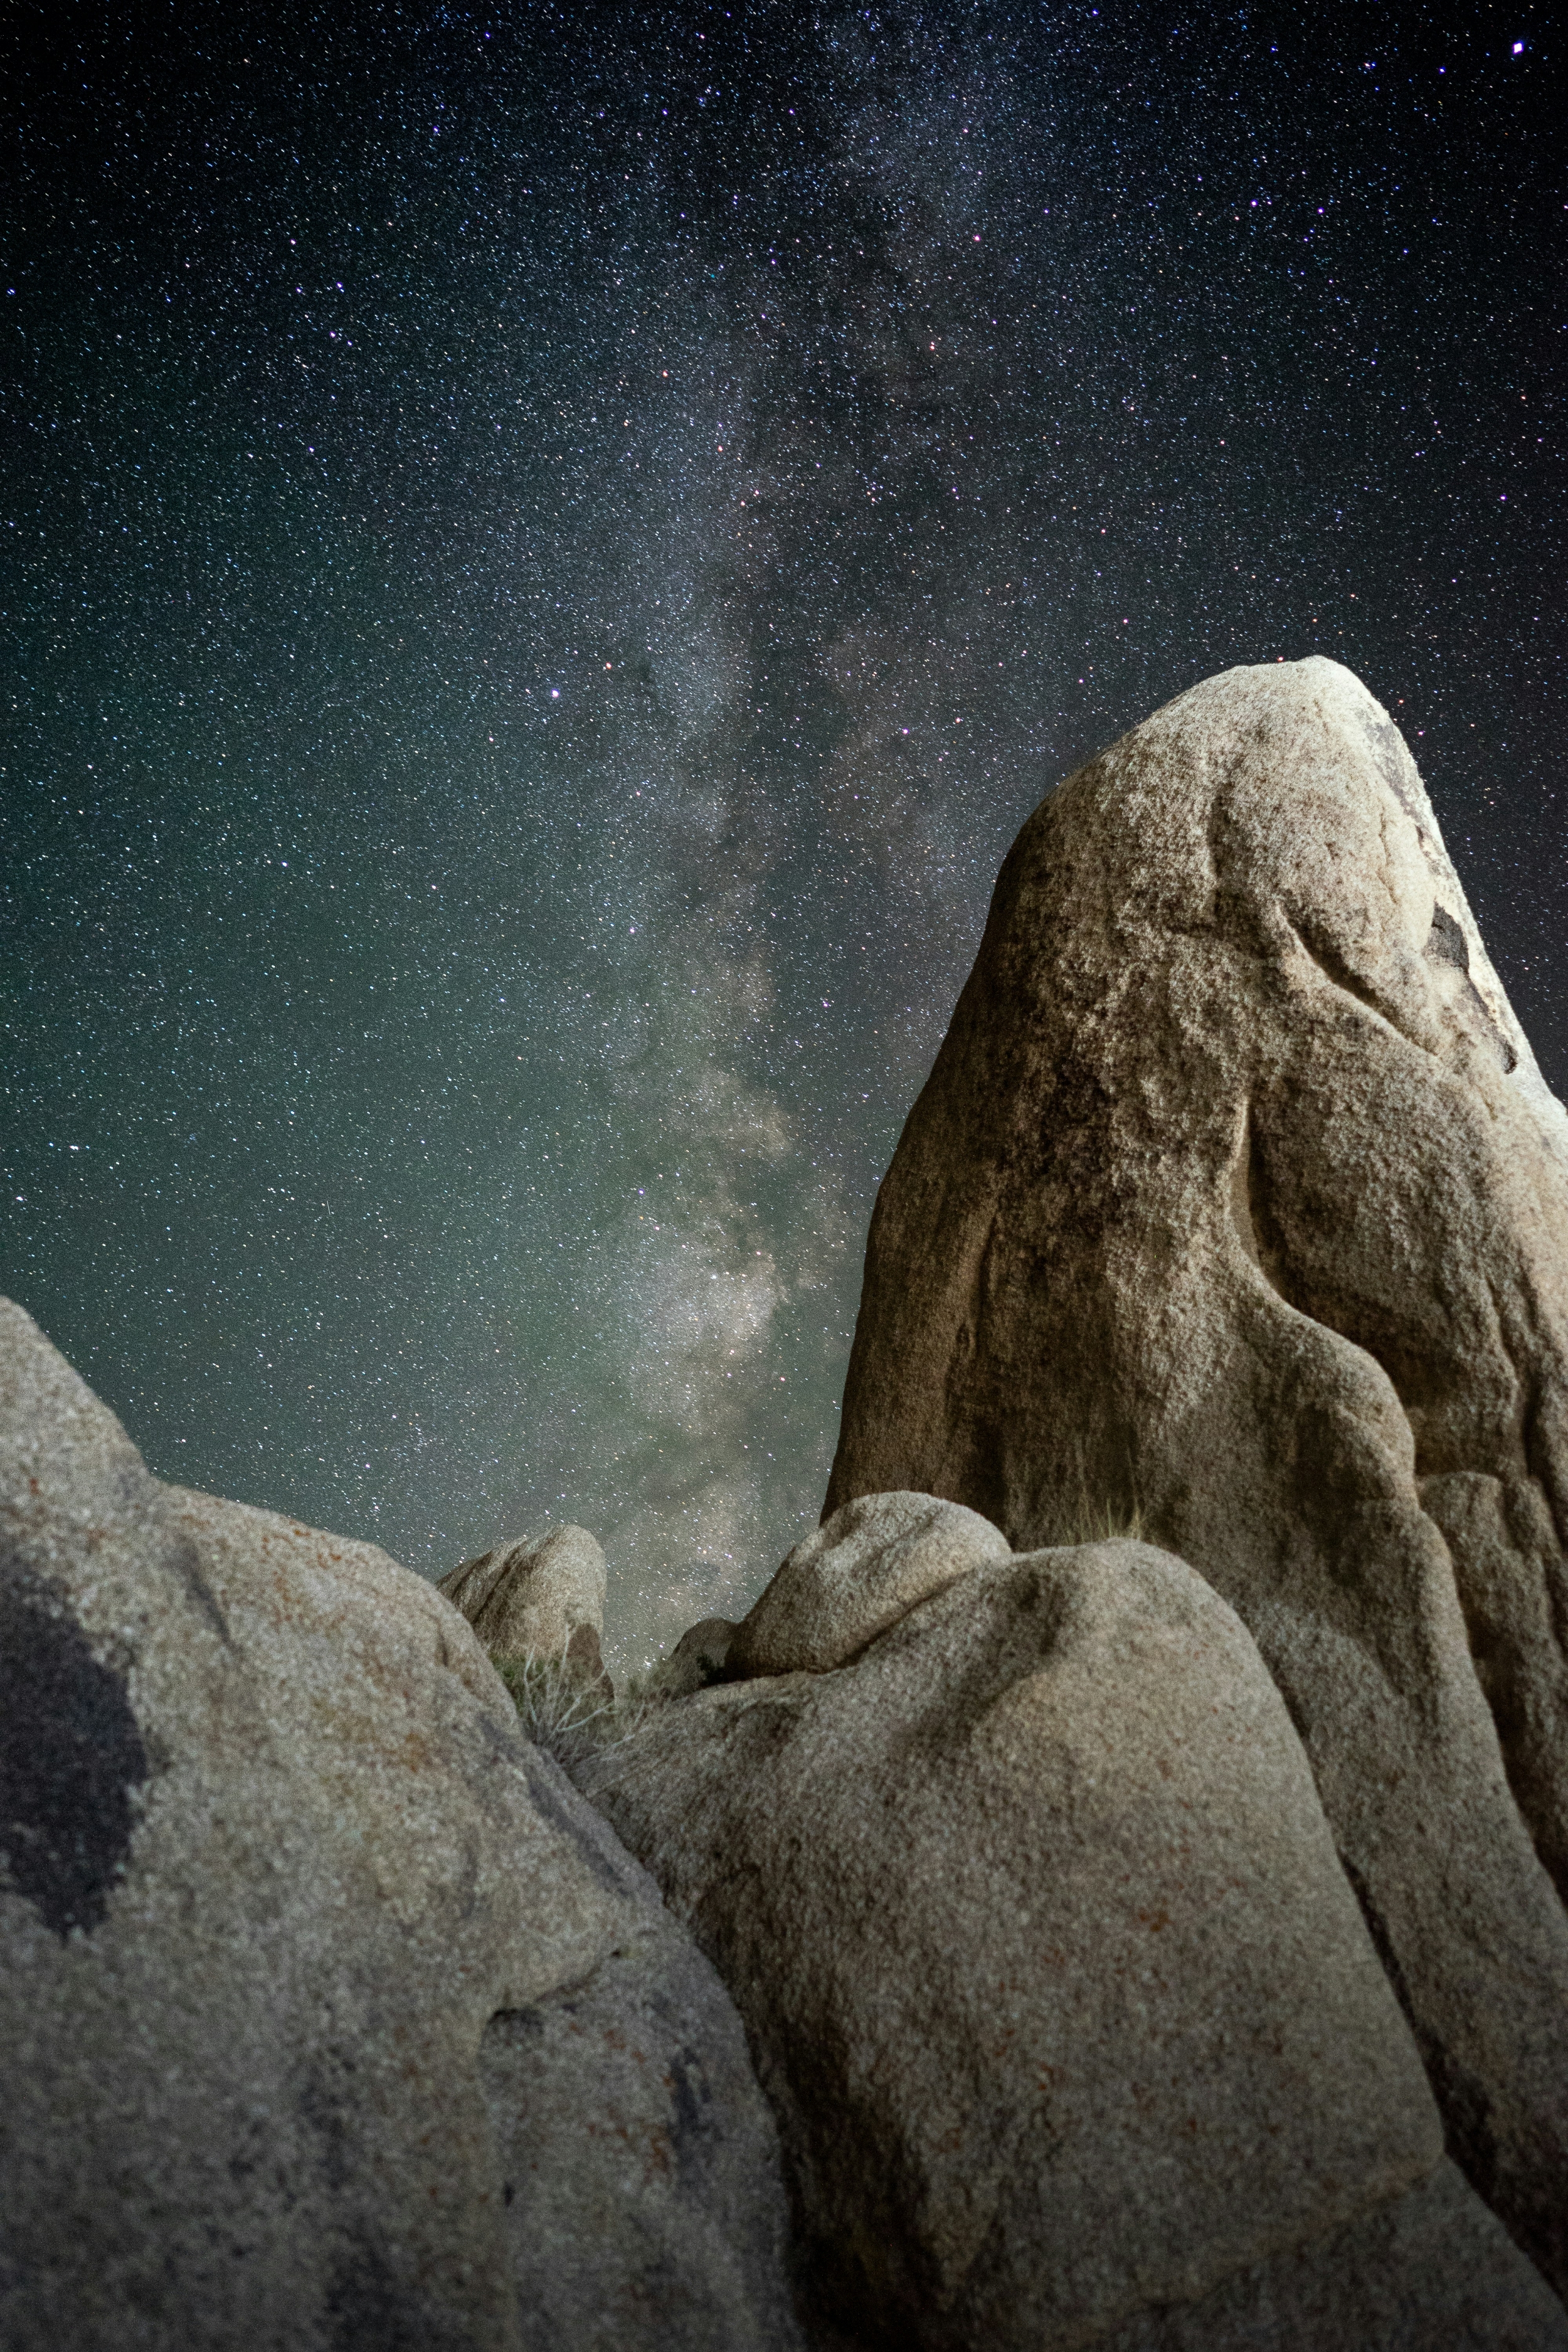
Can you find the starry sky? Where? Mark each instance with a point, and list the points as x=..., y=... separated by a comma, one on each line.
x=548, y=554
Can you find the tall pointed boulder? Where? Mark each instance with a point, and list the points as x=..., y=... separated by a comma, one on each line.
x=1235, y=1195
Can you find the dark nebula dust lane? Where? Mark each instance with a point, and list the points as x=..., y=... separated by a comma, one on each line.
x=548, y=554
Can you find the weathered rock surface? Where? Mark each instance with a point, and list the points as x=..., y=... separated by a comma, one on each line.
x=1432, y=2272
x=1045, y=1956
x=540, y=1597
x=853, y=1577
x=1235, y=1190
x=839, y=1588
x=700, y=1657
x=311, y=1968
x=635, y=2147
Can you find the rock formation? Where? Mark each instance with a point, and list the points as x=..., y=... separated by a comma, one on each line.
x=639, y=2164
x=1116, y=1926
x=330, y=2015
x=857, y=1576
x=1067, y=2012
x=837, y=1592
x=1235, y=1193
x=702, y=1656
x=537, y=1598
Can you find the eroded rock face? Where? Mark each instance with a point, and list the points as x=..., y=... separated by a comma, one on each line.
x=279, y=1871
x=702, y=1656
x=852, y=1578
x=1045, y=1954
x=1235, y=1193
x=639, y=2164
x=1431, y=2271
x=839, y=1588
x=540, y=1597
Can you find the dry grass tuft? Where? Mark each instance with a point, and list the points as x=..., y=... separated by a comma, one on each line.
x=572, y=1719
x=1102, y=1524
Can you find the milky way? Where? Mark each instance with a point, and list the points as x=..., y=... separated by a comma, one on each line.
x=550, y=552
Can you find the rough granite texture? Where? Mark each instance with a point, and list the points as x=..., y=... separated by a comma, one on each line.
x=850, y=1579
x=279, y=1875
x=538, y=1597
x=1045, y=1957
x=1235, y=1193
x=700, y=1657
x=639, y=2164
x=1431, y=2271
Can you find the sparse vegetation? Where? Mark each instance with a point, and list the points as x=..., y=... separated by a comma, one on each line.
x=574, y=1719
x=1103, y=1523
x=1088, y=1517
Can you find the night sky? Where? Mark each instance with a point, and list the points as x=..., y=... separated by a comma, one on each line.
x=549, y=553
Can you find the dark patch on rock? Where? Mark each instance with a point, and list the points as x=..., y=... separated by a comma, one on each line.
x=699, y=1660
x=691, y=2118
x=370, y=2309
x=585, y=1661
x=1445, y=942
x=327, y=2105
x=521, y=2025
x=70, y=1754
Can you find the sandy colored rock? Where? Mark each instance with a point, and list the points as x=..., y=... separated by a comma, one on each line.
x=540, y=1597
x=638, y=2163
x=1045, y=1957
x=841, y=1586
x=852, y=1578
x=702, y=1656
x=1235, y=1193
x=275, y=1860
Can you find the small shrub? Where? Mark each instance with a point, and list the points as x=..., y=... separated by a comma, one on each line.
x=576, y=1720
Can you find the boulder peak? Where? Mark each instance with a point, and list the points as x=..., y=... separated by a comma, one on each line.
x=1235, y=1195
x=536, y=1597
